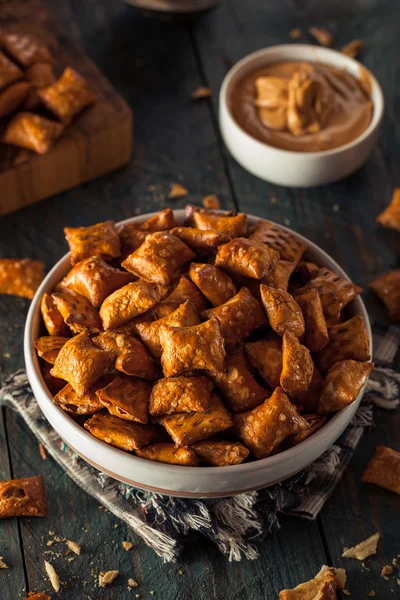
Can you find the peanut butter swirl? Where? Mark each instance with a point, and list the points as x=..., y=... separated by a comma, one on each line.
x=301, y=106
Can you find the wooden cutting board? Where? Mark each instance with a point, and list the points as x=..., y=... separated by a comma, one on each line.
x=98, y=141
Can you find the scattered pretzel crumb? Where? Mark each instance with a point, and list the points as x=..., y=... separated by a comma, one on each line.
x=346, y=593
x=211, y=201
x=152, y=593
x=73, y=546
x=127, y=545
x=132, y=582
x=398, y=582
x=180, y=572
x=2, y=564
x=394, y=562
x=371, y=593
x=116, y=525
x=106, y=578
x=201, y=92
x=52, y=575
x=177, y=191
x=322, y=35
x=42, y=451
x=386, y=570
x=353, y=48
x=295, y=33
x=50, y=543
x=363, y=549
x=51, y=532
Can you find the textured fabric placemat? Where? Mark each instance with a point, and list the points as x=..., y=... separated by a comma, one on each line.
x=234, y=524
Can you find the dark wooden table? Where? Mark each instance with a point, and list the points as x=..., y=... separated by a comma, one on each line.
x=156, y=66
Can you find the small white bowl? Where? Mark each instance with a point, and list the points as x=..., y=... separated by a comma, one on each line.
x=194, y=482
x=285, y=167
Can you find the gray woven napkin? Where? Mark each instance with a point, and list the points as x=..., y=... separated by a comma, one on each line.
x=234, y=524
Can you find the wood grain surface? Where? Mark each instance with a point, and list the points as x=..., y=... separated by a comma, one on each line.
x=155, y=66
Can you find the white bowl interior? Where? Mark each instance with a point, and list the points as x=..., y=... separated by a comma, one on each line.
x=190, y=481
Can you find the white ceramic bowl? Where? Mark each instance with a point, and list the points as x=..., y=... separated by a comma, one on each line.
x=196, y=482
x=284, y=167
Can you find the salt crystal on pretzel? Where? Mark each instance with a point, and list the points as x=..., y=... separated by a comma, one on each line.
x=247, y=258
x=184, y=290
x=284, y=314
x=22, y=498
x=25, y=48
x=201, y=241
x=20, y=276
x=266, y=356
x=168, y=453
x=126, y=435
x=390, y=217
x=77, y=312
x=226, y=223
x=48, y=346
x=180, y=394
x=387, y=288
x=348, y=340
x=101, y=239
x=219, y=453
x=127, y=398
x=316, y=332
x=289, y=246
x=384, y=469
x=68, y=96
x=342, y=385
x=130, y=356
x=297, y=366
x=9, y=71
x=30, y=131
x=70, y=402
x=214, y=284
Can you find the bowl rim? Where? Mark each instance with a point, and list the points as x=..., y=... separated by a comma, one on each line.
x=247, y=61
x=33, y=371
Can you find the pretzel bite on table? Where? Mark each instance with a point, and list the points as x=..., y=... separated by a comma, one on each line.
x=184, y=316
x=169, y=453
x=266, y=356
x=126, y=435
x=316, y=330
x=48, y=347
x=68, y=96
x=96, y=240
x=384, y=469
x=192, y=348
x=70, y=402
x=9, y=71
x=348, y=340
x=221, y=454
x=216, y=285
x=201, y=241
x=238, y=317
x=226, y=223
x=77, y=312
x=20, y=276
x=130, y=356
x=238, y=386
x=25, y=49
x=30, y=131
x=284, y=314
x=95, y=279
x=162, y=221
x=180, y=394
x=22, y=498
x=129, y=302
x=127, y=398
x=390, y=217
x=387, y=288
x=81, y=363
x=184, y=290
x=334, y=291
x=322, y=587
x=189, y=428
x=342, y=385
x=297, y=366
x=160, y=258
x=288, y=245
x=266, y=426
x=52, y=317
x=247, y=258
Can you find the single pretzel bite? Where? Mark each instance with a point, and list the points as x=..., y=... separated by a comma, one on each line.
x=162, y=221
x=96, y=240
x=342, y=385
x=237, y=385
x=316, y=336
x=225, y=223
x=184, y=290
x=126, y=435
x=267, y=425
x=180, y=394
x=127, y=398
x=289, y=246
x=77, y=312
x=95, y=279
x=183, y=316
x=384, y=469
x=284, y=314
x=20, y=276
x=247, y=258
x=189, y=428
x=130, y=356
x=192, y=348
x=52, y=317
x=279, y=276
x=297, y=366
x=38, y=596
x=387, y=288
x=322, y=587
x=221, y=454
x=266, y=356
x=48, y=347
x=67, y=96
x=169, y=453
x=214, y=284
x=129, y=302
x=348, y=340
x=25, y=49
x=31, y=131
x=238, y=317
x=70, y=402
x=390, y=217
x=81, y=363
x=159, y=259
x=199, y=240
x=22, y=498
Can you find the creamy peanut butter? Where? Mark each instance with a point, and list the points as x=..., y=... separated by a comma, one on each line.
x=300, y=106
